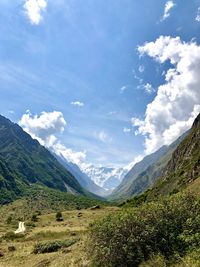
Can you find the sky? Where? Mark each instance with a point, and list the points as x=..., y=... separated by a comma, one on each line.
x=102, y=82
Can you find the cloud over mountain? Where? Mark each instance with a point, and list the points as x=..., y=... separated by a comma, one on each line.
x=44, y=128
x=177, y=101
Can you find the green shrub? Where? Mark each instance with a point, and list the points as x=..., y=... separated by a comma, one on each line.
x=52, y=246
x=167, y=227
x=59, y=217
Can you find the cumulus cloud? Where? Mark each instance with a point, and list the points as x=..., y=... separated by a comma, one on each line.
x=44, y=128
x=168, y=6
x=198, y=15
x=77, y=103
x=47, y=125
x=177, y=101
x=34, y=10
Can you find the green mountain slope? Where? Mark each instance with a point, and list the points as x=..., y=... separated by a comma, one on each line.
x=23, y=162
x=123, y=190
x=144, y=174
x=184, y=166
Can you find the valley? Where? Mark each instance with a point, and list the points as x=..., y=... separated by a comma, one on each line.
x=99, y=133
x=46, y=229
x=150, y=218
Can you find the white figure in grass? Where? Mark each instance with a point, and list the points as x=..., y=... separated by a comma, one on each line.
x=21, y=228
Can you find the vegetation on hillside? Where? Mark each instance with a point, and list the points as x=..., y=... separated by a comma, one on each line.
x=24, y=162
x=169, y=228
x=40, y=200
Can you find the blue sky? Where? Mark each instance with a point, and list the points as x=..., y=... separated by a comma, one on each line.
x=81, y=59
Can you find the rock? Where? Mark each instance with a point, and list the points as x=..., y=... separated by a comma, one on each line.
x=1, y=253
x=72, y=233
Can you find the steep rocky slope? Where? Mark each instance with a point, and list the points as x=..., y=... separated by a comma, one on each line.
x=184, y=166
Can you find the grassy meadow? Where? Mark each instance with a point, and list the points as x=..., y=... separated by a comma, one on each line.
x=72, y=232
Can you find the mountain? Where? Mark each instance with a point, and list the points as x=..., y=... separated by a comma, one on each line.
x=144, y=173
x=85, y=181
x=23, y=162
x=183, y=169
x=106, y=177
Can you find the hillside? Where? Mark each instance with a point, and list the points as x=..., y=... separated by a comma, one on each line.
x=144, y=173
x=23, y=162
x=184, y=166
x=124, y=189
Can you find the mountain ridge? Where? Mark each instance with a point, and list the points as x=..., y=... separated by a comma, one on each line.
x=24, y=161
x=145, y=173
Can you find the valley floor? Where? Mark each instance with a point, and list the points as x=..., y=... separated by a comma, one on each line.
x=74, y=227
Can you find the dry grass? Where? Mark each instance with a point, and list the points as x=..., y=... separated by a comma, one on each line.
x=47, y=228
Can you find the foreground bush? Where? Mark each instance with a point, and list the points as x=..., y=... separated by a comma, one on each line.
x=168, y=227
x=52, y=246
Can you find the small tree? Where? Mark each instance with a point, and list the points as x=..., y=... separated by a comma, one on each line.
x=59, y=217
x=34, y=218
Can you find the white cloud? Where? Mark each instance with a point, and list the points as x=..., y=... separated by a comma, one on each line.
x=147, y=88
x=131, y=164
x=47, y=125
x=34, y=10
x=198, y=15
x=141, y=68
x=77, y=157
x=44, y=128
x=126, y=130
x=177, y=102
x=77, y=103
x=168, y=6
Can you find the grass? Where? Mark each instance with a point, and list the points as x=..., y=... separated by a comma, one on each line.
x=72, y=232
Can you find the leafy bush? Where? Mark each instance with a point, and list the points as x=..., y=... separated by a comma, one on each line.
x=52, y=246
x=167, y=227
x=59, y=217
